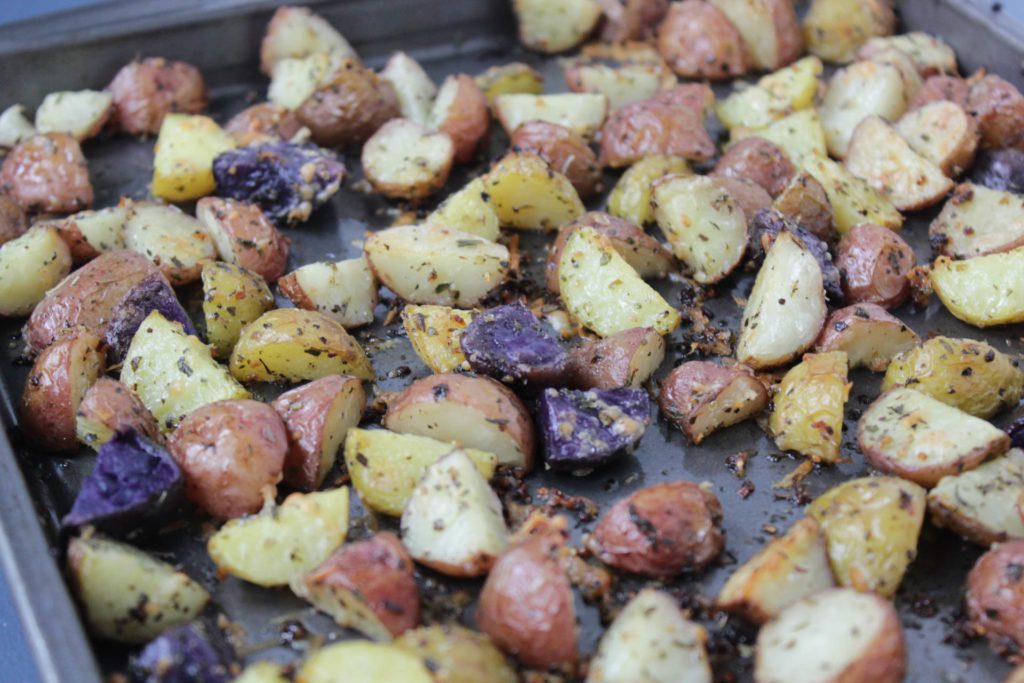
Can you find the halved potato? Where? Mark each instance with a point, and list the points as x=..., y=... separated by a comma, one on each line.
x=282, y=542
x=912, y=81
x=244, y=235
x=787, y=90
x=468, y=210
x=183, y=157
x=670, y=123
x=701, y=397
x=698, y=41
x=860, y=90
x=90, y=233
x=881, y=157
x=511, y=78
x=435, y=333
x=603, y=292
x=292, y=345
x=978, y=220
x=622, y=83
x=835, y=636
x=770, y=30
x=624, y=359
x=853, y=200
x=982, y=291
x=703, y=222
x=453, y=521
x=869, y=335
x=872, y=525
x=232, y=298
x=109, y=407
x=430, y=265
x=294, y=80
x=580, y=112
x=15, y=128
x=804, y=202
x=460, y=111
x=297, y=32
x=809, y=407
x=943, y=133
x=929, y=53
x=630, y=199
x=387, y=466
x=526, y=193
x=564, y=151
x=836, y=29
x=343, y=290
x=175, y=241
x=413, y=86
x=800, y=135
x=981, y=504
x=476, y=412
x=402, y=160
x=80, y=114
x=30, y=265
x=359, y=661
x=555, y=25
x=786, y=308
x=458, y=655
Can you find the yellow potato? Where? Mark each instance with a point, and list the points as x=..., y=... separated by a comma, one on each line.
x=527, y=194
x=360, y=661
x=458, y=655
x=808, y=415
x=183, y=161
x=853, y=200
x=984, y=290
x=800, y=135
x=631, y=197
x=435, y=333
x=232, y=298
x=779, y=93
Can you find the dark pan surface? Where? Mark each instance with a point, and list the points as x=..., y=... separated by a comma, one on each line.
x=281, y=627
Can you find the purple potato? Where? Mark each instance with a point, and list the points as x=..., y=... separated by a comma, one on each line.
x=584, y=429
x=766, y=225
x=1000, y=169
x=289, y=181
x=510, y=344
x=134, y=488
x=151, y=294
x=196, y=652
x=1016, y=429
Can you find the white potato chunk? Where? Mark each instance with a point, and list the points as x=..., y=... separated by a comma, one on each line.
x=469, y=210
x=30, y=265
x=413, y=86
x=892, y=56
x=580, y=112
x=80, y=114
x=15, y=128
x=343, y=290
x=453, y=522
x=293, y=80
x=360, y=661
x=176, y=242
x=978, y=220
x=777, y=94
x=982, y=504
x=555, y=25
x=869, y=335
x=528, y=194
x=983, y=291
x=402, y=160
x=860, y=90
x=651, y=641
x=943, y=133
x=929, y=53
x=102, y=230
x=800, y=135
x=622, y=84
x=756, y=25
x=296, y=32
x=786, y=308
x=425, y=265
x=853, y=200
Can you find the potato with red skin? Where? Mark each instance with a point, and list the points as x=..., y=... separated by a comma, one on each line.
x=229, y=452
x=671, y=123
x=12, y=219
x=526, y=605
x=263, y=122
x=460, y=110
x=941, y=87
x=998, y=107
x=349, y=108
x=625, y=359
x=804, y=202
x=109, y=406
x=874, y=263
x=626, y=20
x=995, y=596
x=660, y=531
x=47, y=174
x=870, y=336
x=750, y=196
x=759, y=161
x=144, y=92
x=701, y=397
x=59, y=379
x=565, y=151
x=245, y=236
x=697, y=40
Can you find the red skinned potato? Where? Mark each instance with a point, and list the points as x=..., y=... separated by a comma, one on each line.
x=699, y=41
x=660, y=531
x=230, y=452
x=671, y=123
x=759, y=161
x=770, y=30
x=59, y=379
x=317, y=416
x=624, y=359
x=999, y=109
x=108, y=407
x=144, y=92
x=701, y=397
x=12, y=219
x=631, y=19
x=460, y=110
x=941, y=87
x=245, y=236
x=805, y=202
x=350, y=107
x=874, y=263
x=263, y=122
x=47, y=173
x=565, y=151
x=526, y=605
x=995, y=596
x=750, y=196
x=870, y=336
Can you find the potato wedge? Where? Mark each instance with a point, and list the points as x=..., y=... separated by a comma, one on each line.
x=387, y=466
x=860, y=90
x=282, y=542
x=982, y=291
x=347, y=106
x=127, y=595
x=108, y=407
x=243, y=235
x=651, y=641
x=875, y=263
x=630, y=199
x=966, y=374
x=430, y=265
x=836, y=29
x=877, y=154
x=943, y=133
x=528, y=194
x=757, y=161
x=358, y=661
x=930, y=54
x=698, y=40
x=297, y=32
x=701, y=397
x=90, y=233
x=183, y=161
x=624, y=359
x=977, y=220
x=786, y=570
x=670, y=123
x=582, y=113
x=265, y=122
x=626, y=20
x=589, y=269
x=80, y=114
x=509, y=79
x=703, y=222
x=809, y=407
x=868, y=335
x=998, y=107
x=912, y=81
x=402, y=160
x=804, y=202
x=458, y=655
x=291, y=345
x=177, y=243
x=622, y=82
x=872, y=525
x=31, y=265
x=414, y=87
x=555, y=25
x=994, y=597
x=343, y=290
x=981, y=504
x=786, y=308
x=468, y=210
x=833, y=636
x=435, y=333
x=564, y=150
x=770, y=30
x=853, y=200
x=800, y=135
x=775, y=95
x=294, y=80
x=232, y=298
x=14, y=127
x=460, y=110
x=476, y=412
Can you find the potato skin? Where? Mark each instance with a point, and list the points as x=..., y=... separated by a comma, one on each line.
x=693, y=384
x=749, y=195
x=610, y=363
x=467, y=119
x=144, y=92
x=631, y=19
x=941, y=87
x=348, y=109
x=12, y=219
x=995, y=596
x=113, y=405
x=999, y=109
x=671, y=123
x=759, y=161
x=699, y=41
x=262, y=122
x=255, y=243
x=660, y=530
x=874, y=263
x=229, y=451
x=565, y=151
x=805, y=203
x=47, y=173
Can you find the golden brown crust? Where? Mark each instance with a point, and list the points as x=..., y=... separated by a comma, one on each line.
x=144, y=92
x=699, y=41
x=348, y=109
x=262, y=122
x=565, y=151
x=47, y=174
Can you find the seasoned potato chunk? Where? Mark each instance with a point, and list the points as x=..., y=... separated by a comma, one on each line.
x=435, y=333
x=860, y=90
x=293, y=80
x=800, y=135
x=977, y=220
x=90, y=233
x=624, y=359
x=998, y=107
x=994, y=595
x=874, y=263
x=343, y=290
x=414, y=88
x=804, y=202
x=809, y=406
x=836, y=29
x=175, y=241
x=698, y=40
x=853, y=200
x=582, y=113
x=630, y=199
x=458, y=655
x=14, y=127
x=777, y=94
x=359, y=661
x=623, y=73
x=264, y=122
x=31, y=265
x=183, y=161
x=232, y=298
x=981, y=504
x=80, y=114
x=402, y=160
x=468, y=210
x=671, y=123
x=145, y=92
x=770, y=30
x=868, y=334
x=929, y=53
x=244, y=236
x=108, y=407
x=943, y=133
x=702, y=397
x=983, y=291
x=460, y=111
x=508, y=79
x=296, y=32
x=564, y=150
x=526, y=193
x=756, y=160
x=555, y=25
x=47, y=173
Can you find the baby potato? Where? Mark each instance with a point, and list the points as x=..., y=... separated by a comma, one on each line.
x=978, y=220
x=343, y=290
x=790, y=89
x=413, y=86
x=359, y=661
x=457, y=654
x=998, y=107
x=630, y=199
x=14, y=127
x=804, y=202
x=671, y=123
x=145, y=92
x=292, y=345
x=623, y=73
x=699, y=41
x=244, y=236
x=175, y=241
x=460, y=110
x=564, y=150
x=229, y=452
x=555, y=25
x=47, y=174
x=526, y=193
x=942, y=132
x=981, y=504
x=995, y=594
x=349, y=106
x=701, y=397
x=626, y=20
x=467, y=210
x=770, y=30
x=868, y=334
x=625, y=359
x=759, y=161
x=296, y=32
x=853, y=200
x=964, y=373
x=403, y=161
x=580, y=112
x=660, y=531
x=80, y=113
x=108, y=407
x=799, y=134
x=941, y=87
x=872, y=525
x=30, y=266
x=982, y=291
x=836, y=29
x=874, y=263
x=90, y=233
x=510, y=79
x=13, y=221
x=809, y=406
x=293, y=80
x=183, y=158
x=263, y=122
x=930, y=54
x=435, y=334
x=232, y=298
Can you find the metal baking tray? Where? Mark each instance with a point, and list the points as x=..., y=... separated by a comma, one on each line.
x=84, y=48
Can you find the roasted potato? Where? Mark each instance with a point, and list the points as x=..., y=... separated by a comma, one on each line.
x=790, y=89
x=981, y=504
x=800, y=135
x=963, y=373
x=177, y=243
x=630, y=199
x=860, y=90
x=998, y=107
x=467, y=210
x=145, y=92
x=625, y=359
x=809, y=407
x=765, y=227
x=804, y=202
x=30, y=266
x=526, y=193
x=623, y=73
x=435, y=334
x=555, y=25
x=872, y=525
x=977, y=220
x=292, y=345
x=835, y=636
x=770, y=30
x=80, y=114
x=109, y=407
x=460, y=110
x=244, y=236
x=982, y=291
x=457, y=654
x=509, y=79
x=698, y=40
x=671, y=123
x=402, y=160
x=359, y=661
x=294, y=80
x=264, y=122
x=835, y=30
x=750, y=196
x=853, y=200
x=14, y=127
x=343, y=290
x=296, y=32
x=701, y=397
x=47, y=173
x=941, y=87
x=582, y=113
x=232, y=298
x=152, y=294
x=943, y=133
x=874, y=263
x=565, y=151
x=13, y=222
x=759, y=161
x=348, y=107
x=90, y=233
x=476, y=412
x=994, y=596
x=631, y=19
x=584, y=429
x=510, y=344
x=183, y=159
x=432, y=265
x=929, y=53
x=868, y=335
